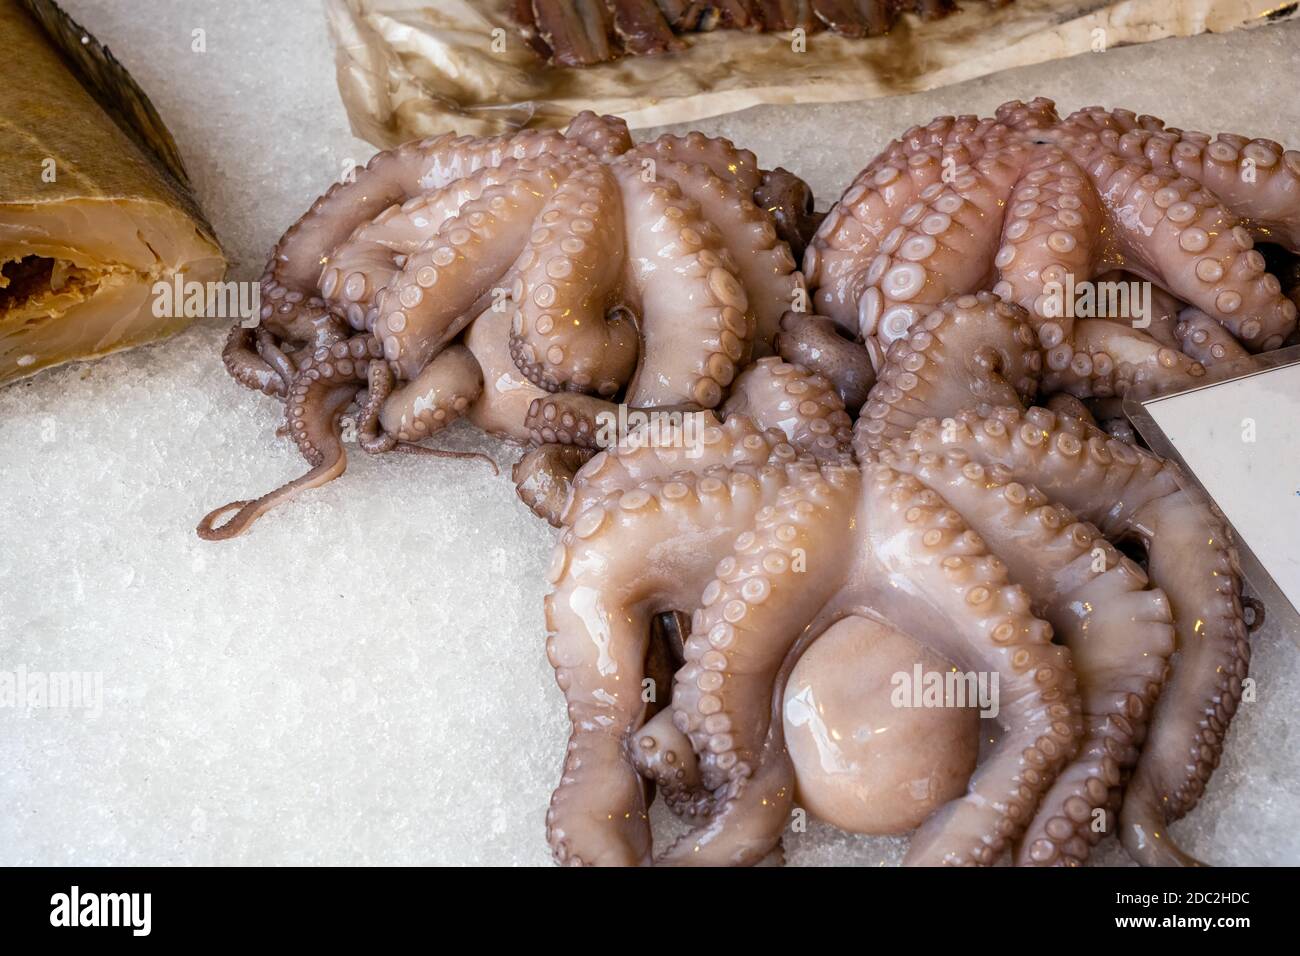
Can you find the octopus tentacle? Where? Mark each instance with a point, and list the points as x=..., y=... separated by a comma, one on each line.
x=276, y=358
x=816, y=343
x=1205, y=340
x=563, y=337
x=1257, y=177
x=789, y=202
x=803, y=405
x=569, y=418
x=734, y=444
x=325, y=386
x=431, y=401
x=502, y=407
x=721, y=156
x=1065, y=404
x=941, y=245
x=1119, y=635
x=450, y=280
x=1106, y=414
x=694, y=313
x=606, y=136
x=370, y=437
x=764, y=264
x=452, y=159
x=975, y=618
x=1126, y=491
x=751, y=615
x=1162, y=321
x=1191, y=555
x=973, y=348
x=301, y=319
x=597, y=635
x=1174, y=229
x=1110, y=358
x=1120, y=671
x=1052, y=232
x=841, y=253
x=367, y=261
x=390, y=177
x=543, y=478
x=439, y=395
x=247, y=367
x=1268, y=200
x=662, y=753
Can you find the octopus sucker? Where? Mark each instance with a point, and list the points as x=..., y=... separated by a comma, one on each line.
x=531, y=282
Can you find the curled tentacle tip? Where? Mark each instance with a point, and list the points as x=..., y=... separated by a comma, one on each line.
x=208, y=531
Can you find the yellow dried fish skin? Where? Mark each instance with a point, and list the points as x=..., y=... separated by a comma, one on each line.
x=88, y=221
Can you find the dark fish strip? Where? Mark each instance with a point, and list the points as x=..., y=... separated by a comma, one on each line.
x=739, y=14
x=841, y=16
x=782, y=15
x=641, y=27
x=934, y=9
x=582, y=32
x=577, y=31
x=879, y=15
x=682, y=15
x=522, y=12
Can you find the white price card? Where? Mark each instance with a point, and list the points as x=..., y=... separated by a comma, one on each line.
x=1239, y=439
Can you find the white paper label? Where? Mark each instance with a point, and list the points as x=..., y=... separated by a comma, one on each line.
x=1241, y=439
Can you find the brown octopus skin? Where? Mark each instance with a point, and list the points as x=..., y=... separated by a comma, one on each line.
x=650, y=252
x=816, y=343
x=1025, y=198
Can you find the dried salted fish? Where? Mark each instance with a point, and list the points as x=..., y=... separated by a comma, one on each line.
x=583, y=32
x=95, y=205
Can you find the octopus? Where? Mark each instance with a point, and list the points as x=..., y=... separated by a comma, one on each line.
x=527, y=282
x=812, y=561
x=1131, y=245
x=584, y=32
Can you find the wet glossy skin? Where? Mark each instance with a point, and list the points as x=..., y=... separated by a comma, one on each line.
x=861, y=762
